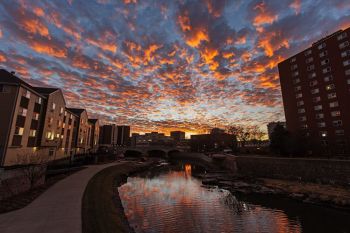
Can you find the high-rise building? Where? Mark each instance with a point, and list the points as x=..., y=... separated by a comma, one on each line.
x=177, y=135
x=123, y=135
x=108, y=135
x=316, y=93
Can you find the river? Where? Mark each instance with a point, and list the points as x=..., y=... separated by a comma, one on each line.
x=173, y=200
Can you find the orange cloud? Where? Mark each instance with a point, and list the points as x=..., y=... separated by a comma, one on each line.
x=195, y=39
x=102, y=44
x=269, y=47
x=184, y=22
x=208, y=55
x=34, y=26
x=0, y=33
x=149, y=52
x=2, y=58
x=263, y=16
x=296, y=5
x=38, y=11
x=56, y=20
x=130, y=1
x=47, y=49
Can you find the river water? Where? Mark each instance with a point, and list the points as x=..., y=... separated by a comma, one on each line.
x=174, y=201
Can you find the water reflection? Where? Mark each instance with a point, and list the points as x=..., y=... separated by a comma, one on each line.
x=177, y=202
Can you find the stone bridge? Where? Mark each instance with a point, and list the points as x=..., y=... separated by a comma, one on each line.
x=151, y=151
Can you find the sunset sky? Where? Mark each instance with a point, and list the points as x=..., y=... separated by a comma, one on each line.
x=164, y=64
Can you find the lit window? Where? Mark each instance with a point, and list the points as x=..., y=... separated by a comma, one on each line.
x=32, y=133
x=61, y=110
x=332, y=95
x=334, y=104
x=19, y=130
x=36, y=116
x=323, y=133
x=318, y=107
x=40, y=100
x=330, y=87
x=335, y=113
x=345, y=53
x=23, y=112
x=53, y=106
x=27, y=94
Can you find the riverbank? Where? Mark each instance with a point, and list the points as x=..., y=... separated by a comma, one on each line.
x=102, y=210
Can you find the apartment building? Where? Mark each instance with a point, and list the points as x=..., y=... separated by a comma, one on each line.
x=316, y=92
x=123, y=135
x=22, y=109
x=108, y=135
x=82, y=135
x=94, y=134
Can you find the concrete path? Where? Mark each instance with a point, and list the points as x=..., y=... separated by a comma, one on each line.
x=57, y=210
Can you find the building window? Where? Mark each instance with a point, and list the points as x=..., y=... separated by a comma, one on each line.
x=53, y=106
x=19, y=130
x=298, y=88
x=301, y=110
x=22, y=112
x=36, y=116
x=345, y=53
x=321, y=46
x=50, y=120
x=297, y=80
x=335, y=113
x=51, y=152
x=321, y=124
x=339, y=132
x=330, y=87
x=304, y=126
x=315, y=91
x=295, y=73
x=3, y=88
x=310, y=59
x=312, y=75
x=342, y=36
x=27, y=94
x=324, y=53
x=318, y=107
x=319, y=116
x=299, y=95
x=344, y=44
x=308, y=52
x=325, y=62
x=328, y=78
x=313, y=83
x=346, y=63
x=310, y=67
x=32, y=133
x=316, y=99
x=49, y=135
x=61, y=110
x=293, y=60
x=300, y=103
x=39, y=100
x=348, y=81
x=337, y=123
x=303, y=118
x=347, y=72
x=334, y=104
x=323, y=133
x=326, y=70
x=332, y=95
x=293, y=67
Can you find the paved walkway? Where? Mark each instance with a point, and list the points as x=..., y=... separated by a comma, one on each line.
x=57, y=210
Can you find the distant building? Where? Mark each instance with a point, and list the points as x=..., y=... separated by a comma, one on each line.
x=272, y=125
x=315, y=87
x=153, y=138
x=94, y=134
x=108, y=135
x=123, y=135
x=217, y=131
x=217, y=140
x=177, y=135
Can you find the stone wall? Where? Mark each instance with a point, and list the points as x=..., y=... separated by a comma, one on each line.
x=309, y=170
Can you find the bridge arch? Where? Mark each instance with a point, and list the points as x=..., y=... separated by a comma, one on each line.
x=173, y=152
x=133, y=153
x=157, y=153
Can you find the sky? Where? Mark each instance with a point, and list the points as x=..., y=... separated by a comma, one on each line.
x=162, y=65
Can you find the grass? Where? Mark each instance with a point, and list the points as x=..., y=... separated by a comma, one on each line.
x=102, y=210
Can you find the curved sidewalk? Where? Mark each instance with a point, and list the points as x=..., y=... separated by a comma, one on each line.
x=56, y=210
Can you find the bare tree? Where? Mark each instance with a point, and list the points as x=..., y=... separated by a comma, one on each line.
x=33, y=167
x=256, y=134
x=243, y=134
